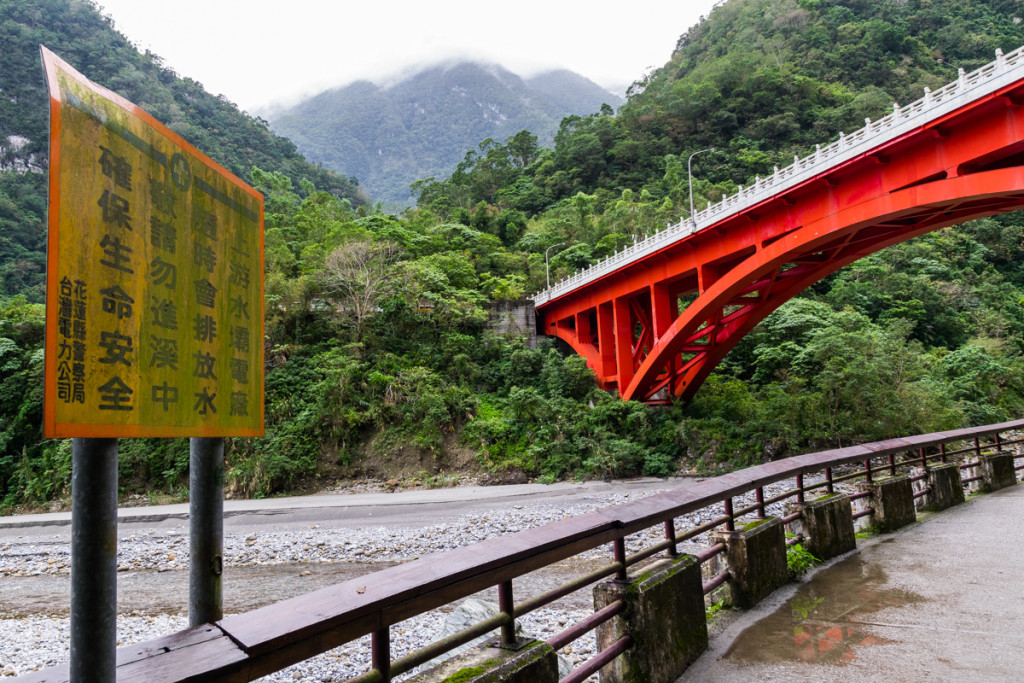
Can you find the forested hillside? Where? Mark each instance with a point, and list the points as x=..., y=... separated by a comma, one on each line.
x=389, y=136
x=379, y=361
x=77, y=32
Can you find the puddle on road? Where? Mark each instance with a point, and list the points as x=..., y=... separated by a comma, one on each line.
x=820, y=623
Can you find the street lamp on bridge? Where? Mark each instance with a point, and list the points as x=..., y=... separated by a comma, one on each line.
x=547, y=268
x=689, y=175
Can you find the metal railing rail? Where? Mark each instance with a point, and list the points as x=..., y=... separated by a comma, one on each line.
x=1001, y=72
x=250, y=645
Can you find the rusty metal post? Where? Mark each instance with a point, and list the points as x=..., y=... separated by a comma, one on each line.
x=507, y=605
x=759, y=497
x=380, y=653
x=730, y=522
x=93, y=560
x=206, y=530
x=800, y=488
x=670, y=536
x=942, y=451
x=619, y=548
x=829, y=485
x=867, y=471
x=892, y=464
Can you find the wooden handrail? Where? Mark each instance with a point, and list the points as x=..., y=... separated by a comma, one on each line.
x=250, y=645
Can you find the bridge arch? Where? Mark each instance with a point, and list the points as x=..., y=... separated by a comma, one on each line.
x=732, y=305
x=655, y=319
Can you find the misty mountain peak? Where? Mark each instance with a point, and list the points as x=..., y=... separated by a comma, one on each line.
x=422, y=123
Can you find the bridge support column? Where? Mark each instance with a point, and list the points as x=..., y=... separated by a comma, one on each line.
x=584, y=334
x=892, y=500
x=536, y=662
x=756, y=557
x=623, y=342
x=946, y=486
x=665, y=617
x=827, y=525
x=662, y=309
x=606, y=338
x=997, y=471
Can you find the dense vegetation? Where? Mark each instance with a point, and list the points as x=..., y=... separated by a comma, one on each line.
x=379, y=356
x=78, y=33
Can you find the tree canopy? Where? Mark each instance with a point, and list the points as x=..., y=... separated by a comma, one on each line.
x=379, y=355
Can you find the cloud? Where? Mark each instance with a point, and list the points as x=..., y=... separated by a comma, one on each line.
x=255, y=53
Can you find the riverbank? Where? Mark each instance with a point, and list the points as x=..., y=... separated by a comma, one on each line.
x=286, y=547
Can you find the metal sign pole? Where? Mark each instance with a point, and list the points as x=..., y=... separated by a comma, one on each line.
x=206, y=530
x=93, y=560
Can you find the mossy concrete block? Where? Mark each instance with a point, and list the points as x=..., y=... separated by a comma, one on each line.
x=996, y=471
x=946, y=486
x=892, y=500
x=536, y=662
x=756, y=557
x=665, y=617
x=827, y=525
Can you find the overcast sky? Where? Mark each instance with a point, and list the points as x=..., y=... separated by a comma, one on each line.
x=257, y=52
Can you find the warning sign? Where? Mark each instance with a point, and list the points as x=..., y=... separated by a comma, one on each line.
x=154, y=303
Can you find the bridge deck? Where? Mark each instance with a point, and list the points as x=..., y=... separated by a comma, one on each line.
x=655, y=319
x=941, y=600
x=933, y=106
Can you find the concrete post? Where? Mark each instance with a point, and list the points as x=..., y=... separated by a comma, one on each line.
x=664, y=615
x=827, y=525
x=996, y=471
x=534, y=663
x=892, y=500
x=946, y=486
x=756, y=556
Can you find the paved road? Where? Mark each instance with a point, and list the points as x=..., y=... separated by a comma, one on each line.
x=343, y=509
x=941, y=600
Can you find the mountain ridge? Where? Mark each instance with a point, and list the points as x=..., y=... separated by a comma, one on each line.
x=391, y=135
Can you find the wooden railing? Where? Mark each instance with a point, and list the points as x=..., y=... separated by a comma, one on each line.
x=250, y=645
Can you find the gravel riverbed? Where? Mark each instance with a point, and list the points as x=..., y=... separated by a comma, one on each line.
x=33, y=638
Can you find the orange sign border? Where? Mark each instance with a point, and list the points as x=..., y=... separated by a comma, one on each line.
x=52, y=428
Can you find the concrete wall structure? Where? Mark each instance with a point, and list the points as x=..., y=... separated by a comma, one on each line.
x=534, y=663
x=665, y=617
x=892, y=500
x=514, y=318
x=756, y=556
x=996, y=471
x=827, y=525
x=946, y=486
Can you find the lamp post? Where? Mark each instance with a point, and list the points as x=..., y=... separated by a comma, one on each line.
x=547, y=268
x=689, y=175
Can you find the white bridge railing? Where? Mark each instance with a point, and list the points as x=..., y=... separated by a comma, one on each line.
x=1005, y=70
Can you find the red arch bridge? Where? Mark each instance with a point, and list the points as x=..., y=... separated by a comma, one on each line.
x=954, y=155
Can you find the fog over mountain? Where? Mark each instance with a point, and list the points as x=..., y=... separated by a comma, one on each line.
x=390, y=135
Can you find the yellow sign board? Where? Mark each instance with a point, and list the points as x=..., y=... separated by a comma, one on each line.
x=154, y=306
